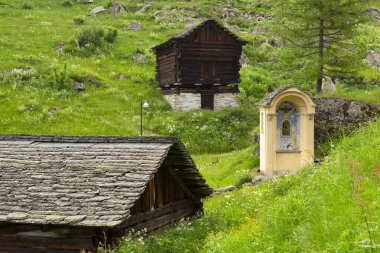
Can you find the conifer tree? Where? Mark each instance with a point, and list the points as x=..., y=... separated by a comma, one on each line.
x=320, y=30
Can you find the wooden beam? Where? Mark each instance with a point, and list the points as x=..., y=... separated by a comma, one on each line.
x=179, y=181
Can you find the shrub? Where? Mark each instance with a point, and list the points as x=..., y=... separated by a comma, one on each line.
x=93, y=38
x=61, y=80
x=27, y=6
x=244, y=178
x=67, y=3
x=110, y=36
x=79, y=20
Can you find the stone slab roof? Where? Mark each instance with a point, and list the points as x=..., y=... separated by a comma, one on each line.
x=272, y=95
x=183, y=34
x=83, y=180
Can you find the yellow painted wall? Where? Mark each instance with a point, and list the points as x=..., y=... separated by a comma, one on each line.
x=274, y=162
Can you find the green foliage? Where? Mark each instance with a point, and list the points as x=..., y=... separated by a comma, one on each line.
x=321, y=31
x=221, y=170
x=60, y=79
x=327, y=208
x=79, y=20
x=27, y=6
x=214, y=131
x=67, y=3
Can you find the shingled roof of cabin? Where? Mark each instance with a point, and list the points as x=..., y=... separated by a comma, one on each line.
x=84, y=180
x=272, y=95
x=182, y=35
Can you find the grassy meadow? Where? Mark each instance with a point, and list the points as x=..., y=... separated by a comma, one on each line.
x=330, y=207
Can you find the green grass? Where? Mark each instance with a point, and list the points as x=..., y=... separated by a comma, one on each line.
x=221, y=170
x=331, y=207
x=33, y=37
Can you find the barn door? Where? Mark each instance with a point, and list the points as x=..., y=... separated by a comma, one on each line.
x=207, y=101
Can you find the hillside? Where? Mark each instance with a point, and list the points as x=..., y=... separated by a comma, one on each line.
x=333, y=206
x=40, y=64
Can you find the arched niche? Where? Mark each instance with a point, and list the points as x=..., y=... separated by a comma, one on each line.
x=286, y=130
x=288, y=127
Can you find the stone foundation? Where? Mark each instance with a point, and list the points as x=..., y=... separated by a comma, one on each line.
x=192, y=101
x=225, y=100
x=184, y=101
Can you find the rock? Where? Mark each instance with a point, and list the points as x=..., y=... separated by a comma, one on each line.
x=166, y=7
x=54, y=109
x=328, y=84
x=144, y=9
x=235, y=28
x=134, y=25
x=373, y=58
x=274, y=43
x=375, y=13
x=138, y=57
x=79, y=86
x=121, y=76
x=225, y=189
x=244, y=60
x=97, y=10
x=257, y=179
x=85, y=1
x=189, y=22
x=119, y=8
x=334, y=116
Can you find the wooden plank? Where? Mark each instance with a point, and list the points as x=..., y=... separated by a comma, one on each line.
x=166, y=209
x=179, y=181
x=61, y=243
x=29, y=250
x=158, y=183
x=161, y=221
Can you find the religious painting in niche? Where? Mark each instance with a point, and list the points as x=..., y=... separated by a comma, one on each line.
x=287, y=126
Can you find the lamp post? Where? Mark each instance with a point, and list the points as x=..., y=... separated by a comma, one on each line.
x=143, y=104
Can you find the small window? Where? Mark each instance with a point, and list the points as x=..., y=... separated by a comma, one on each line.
x=286, y=128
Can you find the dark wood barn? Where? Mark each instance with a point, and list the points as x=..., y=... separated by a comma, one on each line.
x=64, y=193
x=202, y=61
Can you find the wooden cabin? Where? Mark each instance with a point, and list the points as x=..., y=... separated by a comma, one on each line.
x=68, y=193
x=199, y=67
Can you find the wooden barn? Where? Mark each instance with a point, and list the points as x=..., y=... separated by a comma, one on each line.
x=67, y=193
x=199, y=67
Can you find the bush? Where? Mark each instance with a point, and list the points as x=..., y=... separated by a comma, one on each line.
x=27, y=6
x=67, y=3
x=79, y=20
x=94, y=38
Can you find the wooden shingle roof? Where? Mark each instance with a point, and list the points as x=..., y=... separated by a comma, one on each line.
x=183, y=34
x=87, y=181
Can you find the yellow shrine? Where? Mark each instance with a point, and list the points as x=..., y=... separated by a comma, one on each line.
x=286, y=130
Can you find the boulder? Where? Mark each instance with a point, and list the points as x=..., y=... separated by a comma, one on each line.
x=375, y=13
x=244, y=60
x=225, y=189
x=373, y=58
x=138, y=57
x=97, y=10
x=166, y=7
x=189, y=22
x=119, y=8
x=335, y=116
x=328, y=84
x=85, y=1
x=257, y=179
x=144, y=9
x=54, y=109
x=235, y=28
x=79, y=86
x=134, y=25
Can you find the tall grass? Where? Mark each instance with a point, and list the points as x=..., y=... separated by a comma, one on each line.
x=332, y=207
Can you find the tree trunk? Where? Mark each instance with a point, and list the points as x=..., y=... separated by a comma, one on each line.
x=318, y=85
